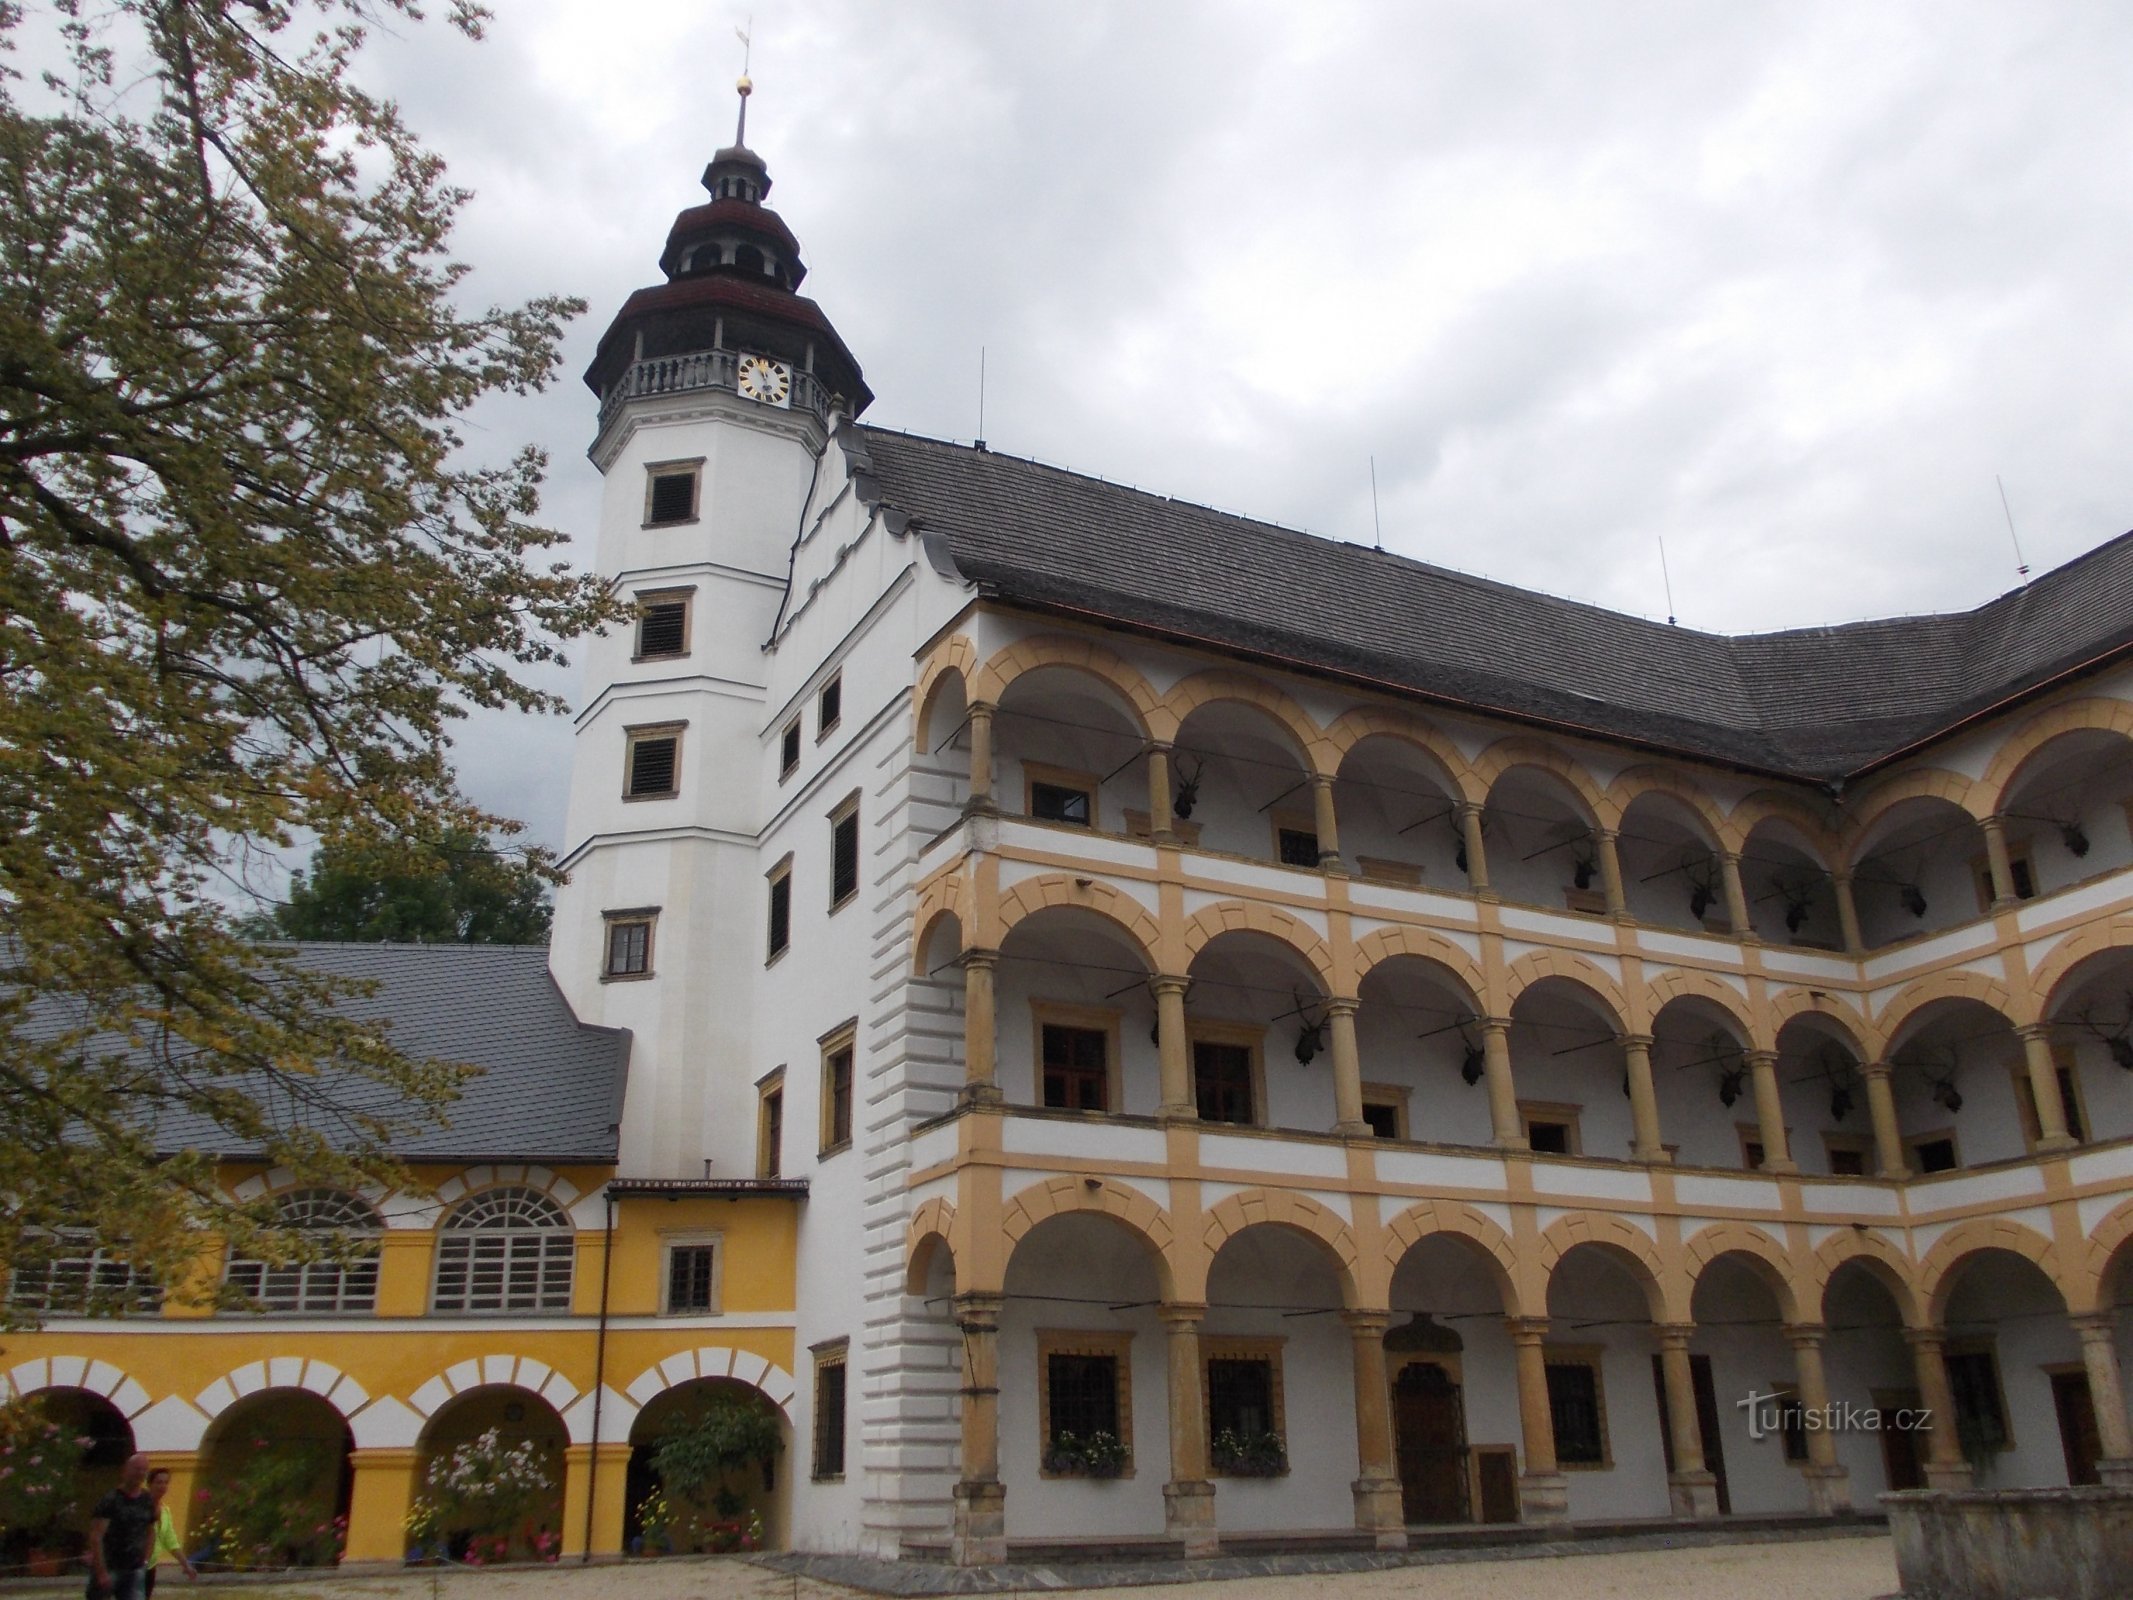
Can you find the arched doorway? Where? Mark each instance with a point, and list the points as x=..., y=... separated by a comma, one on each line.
x=1451, y=1369
x=507, y=1437
x=734, y=1446
x=275, y=1483
x=75, y=1414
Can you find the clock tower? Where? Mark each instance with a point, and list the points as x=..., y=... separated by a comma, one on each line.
x=718, y=391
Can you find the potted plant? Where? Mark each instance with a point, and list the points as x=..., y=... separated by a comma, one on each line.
x=480, y=1499
x=1093, y=1455
x=1248, y=1455
x=39, y=1482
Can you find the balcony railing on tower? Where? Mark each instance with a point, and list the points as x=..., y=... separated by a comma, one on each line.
x=700, y=369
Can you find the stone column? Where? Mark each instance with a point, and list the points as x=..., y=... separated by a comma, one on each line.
x=1770, y=1112
x=2114, y=1439
x=980, y=1538
x=384, y=1487
x=1160, y=825
x=1945, y=1466
x=1477, y=856
x=1173, y=1049
x=1605, y=846
x=981, y=757
x=1503, y=1094
x=1828, y=1482
x=2044, y=1087
x=1847, y=913
x=1347, y=1067
x=1189, y=1496
x=1691, y=1487
x=1329, y=831
x=1999, y=863
x=1643, y=1097
x=605, y=1490
x=1881, y=1107
x=1736, y=896
x=1377, y=1485
x=981, y=1081
x=1543, y=1492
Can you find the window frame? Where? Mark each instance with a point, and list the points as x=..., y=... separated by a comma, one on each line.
x=1592, y=1357
x=693, y=466
x=1298, y=822
x=646, y=917
x=1911, y=1142
x=846, y=811
x=789, y=749
x=831, y=1355
x=1088, y=784
x=1114, y=1343
x=776, y=879
x=1396, y=1097
x=1984, y=1348
x=1859, y=1144
x=1252, y=1037
x=770, y=1124
x=1266, y=1348
x=829, y=705
x=1753, y=1157
x=647, y=600
x=1563, y=1111
x=566, y=1233
x=646, y=733
x=1106, y=1020
x=134, y=1293
x=362, y=1302
x=696, y=1239
x=842, y=1039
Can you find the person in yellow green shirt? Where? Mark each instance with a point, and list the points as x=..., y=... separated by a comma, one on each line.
x=165, y=1542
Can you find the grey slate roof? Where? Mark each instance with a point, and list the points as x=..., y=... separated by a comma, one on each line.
x=1815, y=703
x=551, y=1087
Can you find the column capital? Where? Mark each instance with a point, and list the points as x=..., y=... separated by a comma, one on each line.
x=2095, y=1326
x=1673, y=1335
x=1526, y=1330
x=1469, y=808
x=1805, y=1335
x=1995, y=823
x=1321, y=780
x=978, y=956
x=2034, y=1031
x=1841, y=875
x=1933, y=1339
x=1169, y=983
x=1159, y=746
x=1607, y=835
x=1342, y=1005
x=981, y=708
x=1727, y=858
x=978, y=1310
x=1634, y=1041
x=1760, y=1058
x=1871, y=1070
x=1179, y=1315
x=1367, y=1323
x=1494, y=1024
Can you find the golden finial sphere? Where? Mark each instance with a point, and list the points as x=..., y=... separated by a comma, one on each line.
x=745, y=86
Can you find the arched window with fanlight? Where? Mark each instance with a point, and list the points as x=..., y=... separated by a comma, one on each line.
x=342, y=1280
x=505, y=1250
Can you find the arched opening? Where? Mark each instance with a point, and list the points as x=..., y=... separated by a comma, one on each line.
x=508, y=1249
x=1739, y=1347
x=1083, y=1355
x=2065, y=811
x=1609, y=1443
x=1278, y=1387
x=940, y=769
x=1075, y=1015
x=710, y=1465
x=1961, y=1086
x=1068, y=749
x=1452, y=1372
x=1791, y=899
x=58, y=1420
x=275, y=1483
x=1417, y=1032
x=1258, y=1036
x=490, y=1477
x=1541, y=846
x=748, y=259
x=1398, y=818
x=1701, y=1075
x=2023, y=1411
x=2091, y=1013
x=1243, y=785
x=1920, y=868
x=1872, y=1378
x=1824, y=1098
x=1572, y=1076
x=1670, y=871
x=345, y=1280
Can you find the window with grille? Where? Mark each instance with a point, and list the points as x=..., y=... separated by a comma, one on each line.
x=349, y=1283
x=830, y=1369
x=692, y=1277
x=1076, y=1067
x=1083, y=1394
x=629, y=947
x=829, y=705
x=1222, y=1081
x=837, y=1097
x=789, y=749
x=670, y=495
x=663, y=628
x=505, y=1250
x=1298, y=848
x=780, y=912
x=1059, y=802
x=844, y=857
x=1574, y=1408
x=70, y=1274
x=1240, y=1397
x=654, y=764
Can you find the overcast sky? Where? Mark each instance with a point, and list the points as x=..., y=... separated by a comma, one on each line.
x=1784, y=285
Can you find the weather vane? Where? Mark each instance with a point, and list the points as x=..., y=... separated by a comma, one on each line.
x=746, y=36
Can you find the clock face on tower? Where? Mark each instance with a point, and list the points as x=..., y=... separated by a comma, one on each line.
x=766, y=380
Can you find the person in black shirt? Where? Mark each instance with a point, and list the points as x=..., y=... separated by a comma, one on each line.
x=121, y=1530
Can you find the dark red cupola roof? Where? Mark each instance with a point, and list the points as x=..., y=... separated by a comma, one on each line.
x=733, y=270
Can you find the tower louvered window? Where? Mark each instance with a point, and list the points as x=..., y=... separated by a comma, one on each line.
x=505, y=1250
x=347, y=1283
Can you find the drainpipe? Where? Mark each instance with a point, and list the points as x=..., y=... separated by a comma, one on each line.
x=592, y=1467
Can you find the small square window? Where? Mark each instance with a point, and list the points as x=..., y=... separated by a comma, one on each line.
x=1385, y=1110
x=1551, y=1130
x=1077, y=1068
x=1222, y=1074
x=654, y=764
x=1298, y=847
x=692, y=1278
x=780, y=908
x=1549, y=1138
x=837, y=1055
x=1055, y=802
x=831, y=1364
x=1935, y=1153
x=1847, y=1155
x=844, y=854
x=670, y=492
x=789, y=749
x=629, y=946
x=662, y=627
x=829, y=705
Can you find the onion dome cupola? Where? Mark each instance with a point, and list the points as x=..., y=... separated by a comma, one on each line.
x=729, y=315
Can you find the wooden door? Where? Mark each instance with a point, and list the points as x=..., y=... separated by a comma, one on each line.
x=2077, y=1425
x=1714, y=1451
x=1900, y=1447
x=1429, y=1431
